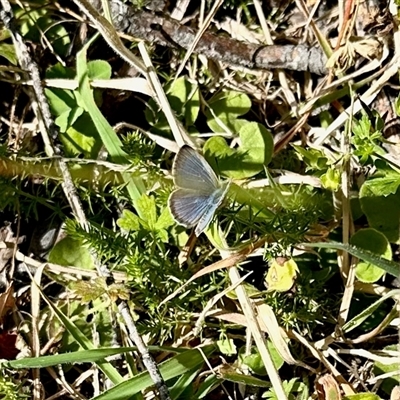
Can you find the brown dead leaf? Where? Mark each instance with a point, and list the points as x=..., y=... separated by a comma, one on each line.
x=7, y=301
x=395, y=395
x=187, y=249
x=8, y=349
x=239, y=31
x=345, y=56
x=328, y=388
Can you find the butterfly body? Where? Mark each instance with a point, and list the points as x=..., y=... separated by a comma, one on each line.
x=199, y=192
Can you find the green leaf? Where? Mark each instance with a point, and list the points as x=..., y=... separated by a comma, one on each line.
x=60, y=100
x=148, y=210
x=381, y=209
x=225, y=108
x=254, y=361
x=70, y=252
x=397, y=105
x=76, y=357
x=252, y=201
x=368, y=312
x=150, y=221
x=376, y=242
x=58, y=71
x=4, y=34
x=183, y=388
x=84, y=341
x=81, y=137
x=249, y=159
x=247, y=380
x=381, y=368
x=68, y=118
x=385, y=186
x=58, y=37
x=129, y=221
x=165, y=220
x=227, y=346
x=8, y=52
x=391, y=267
x=109, y=138
x=385, y=181
x=251, y=291
x=99, y=69
x=208, y=385
x=86, y=100
x=314, y=158
x=172, y=368
x=366, y=137
x=78, y=133
x=28, y=23
x=290, y=387
x=331, y=179
x=281, y=275
x=362, y=396
x=37, y=22
x=184, y=99
x=62, y=121
x=162, y=234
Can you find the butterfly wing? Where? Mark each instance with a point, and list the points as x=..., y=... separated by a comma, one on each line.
x=213, y=202
x=199, y=192
x=192, y=171
x=188, y=206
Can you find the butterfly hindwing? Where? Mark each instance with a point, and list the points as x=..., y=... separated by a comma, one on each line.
x=188, y=206
x=213, y=203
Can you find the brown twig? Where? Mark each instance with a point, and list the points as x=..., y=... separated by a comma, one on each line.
x=167, y=32
x=346, y=18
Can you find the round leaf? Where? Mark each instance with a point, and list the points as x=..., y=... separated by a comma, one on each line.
x=248, y=159
x=71, y=252
x=226, y=107
x=99, y=69
x=281, y=274
x=372, y=240
x=382, y=209
x=254, y=361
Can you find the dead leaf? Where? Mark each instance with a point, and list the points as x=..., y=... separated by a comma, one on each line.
x=395, y=395
x=7, y=301
x=328, y=388
x=8, y=350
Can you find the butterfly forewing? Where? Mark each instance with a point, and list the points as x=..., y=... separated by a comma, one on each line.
x=191, y=171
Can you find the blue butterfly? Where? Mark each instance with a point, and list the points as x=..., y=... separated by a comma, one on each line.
x=199, y=192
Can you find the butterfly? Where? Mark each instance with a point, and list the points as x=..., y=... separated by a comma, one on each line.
x=199, y=192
